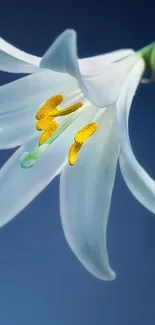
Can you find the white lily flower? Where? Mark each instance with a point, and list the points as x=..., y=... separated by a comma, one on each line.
x=94, y=94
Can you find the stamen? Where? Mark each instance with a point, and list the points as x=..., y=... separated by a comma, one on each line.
x=73, y=152
x=49, y=105
x=66, y=111
x=29, y=159
x=52, y=131
x=81, y=136
x=48, y=132
x=44, y=123
x=86, y=132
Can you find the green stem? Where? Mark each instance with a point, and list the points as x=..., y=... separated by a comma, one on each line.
x=146, y=53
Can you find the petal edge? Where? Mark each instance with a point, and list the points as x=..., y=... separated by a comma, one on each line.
x=85, y=195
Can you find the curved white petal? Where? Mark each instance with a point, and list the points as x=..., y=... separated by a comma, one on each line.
x=15, y=60
x=16, y=133
x=19, y=186
x=94, y=64
x=85, y=197
x=20, y=99
x=28, y=92
x=139, y=182
x=100, y=78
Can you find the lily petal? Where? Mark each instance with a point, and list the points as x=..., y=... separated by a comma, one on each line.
x=91, y=65
x=85, y=197
x=20, y=99
x=15, y=60
x=139, y=182
x=19, y=186
x=102, y=83
x=15, y=134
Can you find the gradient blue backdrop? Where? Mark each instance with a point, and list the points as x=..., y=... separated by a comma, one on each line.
x=41, y=282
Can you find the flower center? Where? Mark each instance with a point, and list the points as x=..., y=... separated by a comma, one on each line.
x=50, y=128
x=46, y=114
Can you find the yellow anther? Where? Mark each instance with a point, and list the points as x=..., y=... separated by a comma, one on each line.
x=67, y=110
x=86, y=132
x=81, y=136
x=49, y=105
x=73, y=152
x=48, y=132
x=44, y=123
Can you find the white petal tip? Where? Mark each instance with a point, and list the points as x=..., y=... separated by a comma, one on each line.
x=110, y=277
x=104, y=275
x=68, y=32
x=60, y=53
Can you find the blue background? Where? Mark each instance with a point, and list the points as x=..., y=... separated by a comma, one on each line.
x=41, y=282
